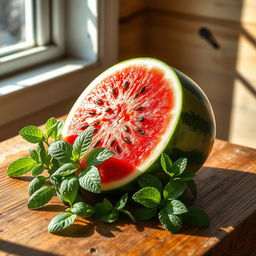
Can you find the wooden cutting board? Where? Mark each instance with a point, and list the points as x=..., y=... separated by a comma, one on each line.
x=227, y=191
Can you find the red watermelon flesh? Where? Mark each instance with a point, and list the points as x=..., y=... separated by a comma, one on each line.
x=131, y=109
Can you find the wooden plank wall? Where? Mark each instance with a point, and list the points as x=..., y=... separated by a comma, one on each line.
x=168, y=30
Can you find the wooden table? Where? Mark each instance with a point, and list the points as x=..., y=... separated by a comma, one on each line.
x=227, y=191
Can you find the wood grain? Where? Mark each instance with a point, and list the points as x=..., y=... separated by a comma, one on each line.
x=226, y=75
x=226, y=191
x=240, y=11
x=130, y=7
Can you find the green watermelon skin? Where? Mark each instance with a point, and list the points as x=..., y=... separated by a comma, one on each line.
x=195, y=131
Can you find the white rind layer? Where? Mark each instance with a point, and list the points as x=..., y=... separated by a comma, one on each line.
x=177, y=90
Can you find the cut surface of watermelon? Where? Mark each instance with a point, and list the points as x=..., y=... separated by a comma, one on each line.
x=140, y=108
x=134, y=106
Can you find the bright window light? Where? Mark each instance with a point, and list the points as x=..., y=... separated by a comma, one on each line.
x=16, y=26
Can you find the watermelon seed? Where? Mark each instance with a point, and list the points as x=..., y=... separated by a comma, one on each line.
x=97, y=123
x=92, y=113
x=139, y=130
x=140, y=119
x=127, y=140
x=126, y=85
x=114, y=91
x=95, y=130
x=118, y=150
x=112, y=143
x=100, y=102
x=126, y=128
x=107, y=109
x=97, y=144
x=136, y=95
x=139, y=108
x=143, y=89
x=84, y=126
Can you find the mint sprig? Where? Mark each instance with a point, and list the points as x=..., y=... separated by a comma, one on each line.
x=57, y=170
x=169, y=206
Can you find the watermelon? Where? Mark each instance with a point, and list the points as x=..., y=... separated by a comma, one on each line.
x=139, y=109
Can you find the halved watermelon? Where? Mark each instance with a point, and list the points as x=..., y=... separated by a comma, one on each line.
x=141, y=108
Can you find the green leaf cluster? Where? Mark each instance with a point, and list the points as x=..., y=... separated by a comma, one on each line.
x=56, y=167
x=167, y=202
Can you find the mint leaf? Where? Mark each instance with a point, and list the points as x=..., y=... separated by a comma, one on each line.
x=122, y=202
x=37, y=169
x=90, y=180
x=41, y=197
x=61, y=150
x=145, y=213
x=82, y=143
x=54, y=128
x=82, y=209
x=175, y=207
x=31, y=134
x=170, y=222
x=166, y=164
x=174, y=189
x=68, y=189
x=35, y=184
x=193, y=188
x=34, y=155
x=98, y=155
x=196, y=217
x=149, y=197
x=20, y=167
x=65, y=170
x=61, y=221
x=179, y=166
x=148, y=180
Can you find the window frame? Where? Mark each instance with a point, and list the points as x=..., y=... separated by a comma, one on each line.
x=68, y=76
x=46, y=47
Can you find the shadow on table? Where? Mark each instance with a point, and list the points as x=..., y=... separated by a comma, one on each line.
x=228, y=196
x=22, y=250
x=84, y=228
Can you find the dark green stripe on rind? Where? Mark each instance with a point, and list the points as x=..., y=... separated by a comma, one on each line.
x=195, y=131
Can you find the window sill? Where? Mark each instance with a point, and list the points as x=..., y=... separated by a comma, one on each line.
x=24, y=94
x=34, y=56
x=41, y=75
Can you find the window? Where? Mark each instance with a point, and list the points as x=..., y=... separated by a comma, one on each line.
x=16, y=26
x=32, y=33
x=58, y=46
